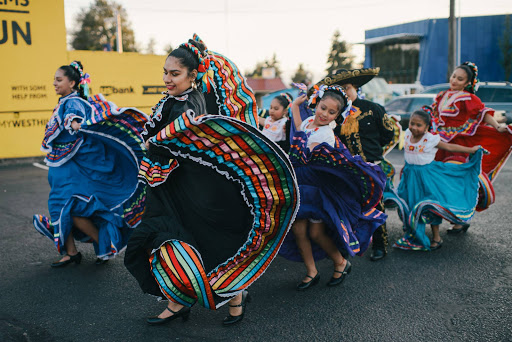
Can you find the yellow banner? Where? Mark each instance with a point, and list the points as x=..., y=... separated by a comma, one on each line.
x=33, y=47
x=21, y=134
x=128, y=79
x=32, y=43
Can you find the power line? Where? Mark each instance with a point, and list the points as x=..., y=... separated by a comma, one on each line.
x=246, y=10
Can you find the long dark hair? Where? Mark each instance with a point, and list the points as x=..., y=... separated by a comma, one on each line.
x=472, y=73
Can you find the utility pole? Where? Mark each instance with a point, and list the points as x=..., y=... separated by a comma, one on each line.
x=119, y=33
x=452, y=40
x=459, y=37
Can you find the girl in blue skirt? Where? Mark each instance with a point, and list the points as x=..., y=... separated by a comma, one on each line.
x=431, y=190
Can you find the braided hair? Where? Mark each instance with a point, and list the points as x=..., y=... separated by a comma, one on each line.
x=74, y=72
x=472, y=73
x=186, y=55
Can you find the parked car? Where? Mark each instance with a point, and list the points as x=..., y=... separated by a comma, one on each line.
x=403, y=106
x=495, y=95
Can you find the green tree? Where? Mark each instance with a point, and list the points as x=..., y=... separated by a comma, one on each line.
x=340, y=56
x=98, y=23
x=506, y=48
x=301, y=75
x=273, y=63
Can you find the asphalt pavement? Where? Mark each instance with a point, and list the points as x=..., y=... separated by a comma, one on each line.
x=461, y=292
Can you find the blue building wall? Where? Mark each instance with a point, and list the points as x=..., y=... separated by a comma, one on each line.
x=480, y=37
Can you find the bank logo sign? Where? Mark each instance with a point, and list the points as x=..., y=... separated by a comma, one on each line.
x=111, y=90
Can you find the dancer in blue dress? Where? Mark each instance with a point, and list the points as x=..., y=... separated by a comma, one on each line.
x=93, y=153
x=338, y=191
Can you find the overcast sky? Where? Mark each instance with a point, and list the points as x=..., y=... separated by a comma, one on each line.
x=298, y=31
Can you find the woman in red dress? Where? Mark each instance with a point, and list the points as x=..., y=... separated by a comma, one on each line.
x=463, y=119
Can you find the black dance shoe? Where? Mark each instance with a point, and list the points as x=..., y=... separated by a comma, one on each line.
x=462, y=229
x=378, y=254
x=436, y=244
x=77, y=258
x=337, y=281
x=100, y=261
x=184, y=312
x=304, y=286
x=230, y=320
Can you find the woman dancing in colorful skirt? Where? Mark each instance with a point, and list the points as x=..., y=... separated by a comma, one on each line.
x=338, y=191
x=93, y=151
x=461, y=118
x=221, y=196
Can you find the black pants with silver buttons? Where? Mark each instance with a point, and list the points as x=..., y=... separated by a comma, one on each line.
x=380, y=236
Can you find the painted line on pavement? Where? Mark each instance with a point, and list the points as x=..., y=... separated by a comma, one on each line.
x=44, y=167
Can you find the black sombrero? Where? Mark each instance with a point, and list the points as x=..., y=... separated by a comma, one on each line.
x=356, y=77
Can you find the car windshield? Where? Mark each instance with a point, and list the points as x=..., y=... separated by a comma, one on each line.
x=435, y=90
x=485, y=94
x=419, y=102
x=398, y=106
x=502, y=95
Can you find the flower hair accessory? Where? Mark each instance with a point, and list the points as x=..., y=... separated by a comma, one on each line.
x=473, y=83
x=85, y=78
x=319, y=92
x=288, y=98
x=204, y=72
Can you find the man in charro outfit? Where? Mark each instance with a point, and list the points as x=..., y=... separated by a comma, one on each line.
x=365, y=132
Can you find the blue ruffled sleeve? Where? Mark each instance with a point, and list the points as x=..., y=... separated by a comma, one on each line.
x=73, y=109
x=60, y=141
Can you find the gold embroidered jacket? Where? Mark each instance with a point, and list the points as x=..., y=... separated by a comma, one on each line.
x=366, y=130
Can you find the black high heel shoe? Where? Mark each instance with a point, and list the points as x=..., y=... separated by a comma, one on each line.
x=462, y=229
x=100, y=261
x=77, y=258
x=184, y=312
x=304, y=286
x=337, y=281
x=230, y=320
